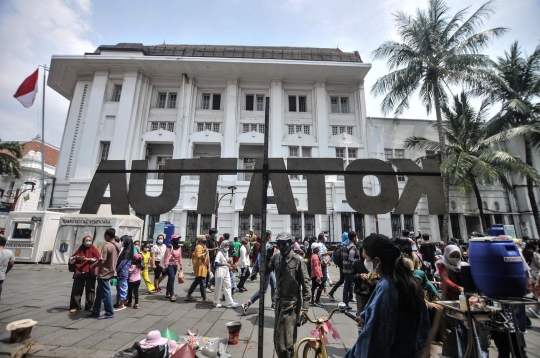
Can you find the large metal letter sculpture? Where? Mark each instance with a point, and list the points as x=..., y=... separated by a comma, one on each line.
x=283, y=196
x=117, y=188
x=418, y=185
x=354, y=188
x=316, y=190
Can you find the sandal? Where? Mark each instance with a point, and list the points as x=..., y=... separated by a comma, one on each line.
x=206, y=300
x=173, y=298
x=136, y=306
x=190, y=298
x=73, y=310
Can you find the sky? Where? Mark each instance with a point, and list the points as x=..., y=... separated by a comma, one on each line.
x=31, y=31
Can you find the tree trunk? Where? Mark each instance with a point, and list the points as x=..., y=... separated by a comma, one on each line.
x=530, y=185
x=480, y=206
x=442, y=144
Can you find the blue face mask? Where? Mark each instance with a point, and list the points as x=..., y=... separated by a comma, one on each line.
x=160, y=241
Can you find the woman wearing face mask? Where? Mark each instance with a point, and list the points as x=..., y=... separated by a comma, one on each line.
x=83, y=277
x=158, y=250
x=395, y=320
x=173, y=263
x=450, y=273
x=223, y=279
x=147, y=258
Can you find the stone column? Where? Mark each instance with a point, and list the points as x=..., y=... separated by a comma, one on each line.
x=362, y=114
x=275, y=136
x=322, y=119
x=188, y=105
x=87, y=159
x=229, y=147
x=123, y=118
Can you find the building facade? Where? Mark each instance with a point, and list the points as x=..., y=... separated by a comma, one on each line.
x=132, y=102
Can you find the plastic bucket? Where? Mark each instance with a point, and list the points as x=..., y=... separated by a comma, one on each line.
x=234, y=331
x=497, y=267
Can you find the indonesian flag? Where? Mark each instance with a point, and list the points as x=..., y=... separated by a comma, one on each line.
x=26, y=93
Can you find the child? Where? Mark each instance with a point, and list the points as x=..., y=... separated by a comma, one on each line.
x=147, y=258
x=135, y=280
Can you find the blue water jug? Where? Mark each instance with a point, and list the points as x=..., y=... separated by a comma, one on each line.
x=497, y=267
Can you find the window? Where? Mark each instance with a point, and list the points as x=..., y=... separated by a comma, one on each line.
x=260, y=103
x=388, y=154
x=206, y=223
x=306, y=130
x=342, y=129
x=346, y=222
x=359, y=225
x=297, y=102
x=408, y=222
x=352, y=153
x=291, y=129
x=261, y=128
x=249, y=102
x=22, y=230
x=340, y=153
x=160, y=165
x=348, y=155
x=243, y=223
x=166, y=100
x=211, y=98
x=399, y=154
x=339, y=104
x=296, y=225
x=191, y=226
x=172, y=100
x=104, y=150
x=117, y=92
x=293, y=151
x=155, y=126
x=306, y=152
x=309, y=225
x=395, y=221
x=213, y=127
x=249, y=164
x=253, y=127
x=162, y=99
x=168, y=126
x=298, y=129
x=245, y=128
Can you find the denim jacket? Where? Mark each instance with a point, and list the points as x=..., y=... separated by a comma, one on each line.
x=389, y=329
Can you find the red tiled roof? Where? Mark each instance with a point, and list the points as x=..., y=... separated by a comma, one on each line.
x=51, y=153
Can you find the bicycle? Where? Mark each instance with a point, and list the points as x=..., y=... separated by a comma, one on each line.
x=315, y=347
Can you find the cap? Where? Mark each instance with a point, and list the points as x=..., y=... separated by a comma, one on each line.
x=315, y=245
x=284, y=236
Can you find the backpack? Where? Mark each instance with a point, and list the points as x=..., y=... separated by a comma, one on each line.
x=338, y=256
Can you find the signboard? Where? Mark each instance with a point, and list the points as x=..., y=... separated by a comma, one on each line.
x=159, y=228
x=510, y=230
x=88, y=221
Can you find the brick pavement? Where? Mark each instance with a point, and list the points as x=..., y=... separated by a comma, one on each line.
x=41, y=292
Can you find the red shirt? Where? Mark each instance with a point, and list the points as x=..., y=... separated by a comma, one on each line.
x=316, y=269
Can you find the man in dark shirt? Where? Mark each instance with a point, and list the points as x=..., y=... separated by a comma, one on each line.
x=212, y=247
x=428, y=250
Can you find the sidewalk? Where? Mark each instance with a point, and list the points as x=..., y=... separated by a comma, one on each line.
x=41, y=292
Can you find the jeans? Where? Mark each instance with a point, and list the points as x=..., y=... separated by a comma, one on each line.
x=339, y=283
x=269, y=279
x=347, y=288
x=103, y=294
x=121, y=289
x=171, y=276
x=199, y=280
x=325, y=274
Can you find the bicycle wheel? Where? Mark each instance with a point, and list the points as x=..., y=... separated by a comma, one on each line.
x=311, y=352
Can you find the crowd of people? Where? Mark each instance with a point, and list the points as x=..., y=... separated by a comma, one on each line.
x=395, y=283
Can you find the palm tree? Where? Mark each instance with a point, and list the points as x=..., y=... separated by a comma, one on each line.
x=471, y=157
x=514, y=81
x=436, y=50
x=10, y=153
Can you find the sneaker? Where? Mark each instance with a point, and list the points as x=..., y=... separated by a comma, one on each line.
x=234, y=305
x=353, y=300
x=245, y=309
x=273, y=307
x=349, y=308
x=312, y=303
x=217, y=305
x=331, y=295
x=318, y=304
x=534, y=311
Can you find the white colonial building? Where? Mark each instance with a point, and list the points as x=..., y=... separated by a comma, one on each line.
x=130, y=101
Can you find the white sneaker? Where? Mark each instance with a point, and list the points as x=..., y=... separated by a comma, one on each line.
x=217, y=305
x=234, y=305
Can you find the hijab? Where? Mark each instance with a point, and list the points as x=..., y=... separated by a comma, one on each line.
x=224, y=250
x=345, y=239
x=175, y=242
x=127, y=252
x=428, y=286
x=88, y=252
x=448, y=250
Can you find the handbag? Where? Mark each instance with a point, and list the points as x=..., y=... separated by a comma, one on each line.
x=181, y=278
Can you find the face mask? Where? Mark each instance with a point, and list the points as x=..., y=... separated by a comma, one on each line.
x=146, y=249
x=454, y=260
x=160, y=242
x=88, y=243
x=369, y=266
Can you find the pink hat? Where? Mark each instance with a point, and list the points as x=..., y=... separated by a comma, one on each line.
x=176, y=236
x=153, y=338
x=137, y=257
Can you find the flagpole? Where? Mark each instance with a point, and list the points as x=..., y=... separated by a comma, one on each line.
x=42, y=193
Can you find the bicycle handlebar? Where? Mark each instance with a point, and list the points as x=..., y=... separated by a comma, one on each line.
x=301, y=322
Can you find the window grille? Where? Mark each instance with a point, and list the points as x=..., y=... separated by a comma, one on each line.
x=117, y=92
x=340, y=153
x=208, y=126
x=216, y=127
x=104, y=153
x=170, y=126
x=163, y=125
x=261, y=128
x=291, y=129
x=302, y=104
x=306, y=129
x=350, y=130
x=298, y=129
x=245, y=128
x=334, y=130
x=293, y=151
x=260, y=103
x=387, y=154
x=341, y=130
x=352, y=153
x=253, y=127
x=206, y=101
x=344, y=105
x=200, y=127
x=399, y=153
x=172, y=100
x=334, y=104
x=155, y=126
x=162, y=99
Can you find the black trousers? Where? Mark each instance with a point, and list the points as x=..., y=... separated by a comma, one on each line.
x=243, y=278
x=317, y=286
x=339, y=283
x=79, y=285
x=199, y=280
x=133, y=290
x=503, y=346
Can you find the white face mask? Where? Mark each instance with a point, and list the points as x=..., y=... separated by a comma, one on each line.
x=87, y=243
x=160, y=242
x=369, y=266
x=454, y=260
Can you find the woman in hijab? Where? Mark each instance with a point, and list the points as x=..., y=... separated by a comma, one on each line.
x=173, y=263
x=122, y=271
x=450, y=273
x=83, y=277
x=222, y=276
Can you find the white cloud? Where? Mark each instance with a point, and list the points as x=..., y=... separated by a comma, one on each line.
x=30, y=33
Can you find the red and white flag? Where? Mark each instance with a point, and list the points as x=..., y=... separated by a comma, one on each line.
x=26, y=93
